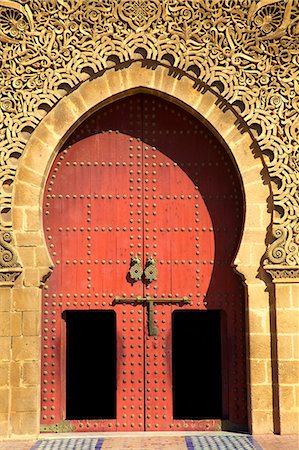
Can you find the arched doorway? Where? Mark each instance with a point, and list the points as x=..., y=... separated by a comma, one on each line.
x=143, y=214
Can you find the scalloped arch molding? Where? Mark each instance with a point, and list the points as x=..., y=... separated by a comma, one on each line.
x=245, y=50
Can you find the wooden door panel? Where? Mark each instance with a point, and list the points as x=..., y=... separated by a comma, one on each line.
x=143, y=178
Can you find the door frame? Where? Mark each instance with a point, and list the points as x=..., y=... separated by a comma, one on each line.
x=233, y=133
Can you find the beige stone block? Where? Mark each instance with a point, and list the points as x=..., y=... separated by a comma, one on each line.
x=19, y=281
x=257, y=296
x=26, y=299
x=31, y=277
x=248, y=270
x=16, y=374
x=297, y=395
x=289, y=422
x=88, y=90
x=42, y=257
x=28, y=238
x=287, y=321
x=41, y=146
x=259, y=346
x=4, y=324
x=25, y=174
x=259, y=321
x=253, y=235
x=5, y=346
x=283, y=297
x=4, y=374
x=288, y=372
x=25, y=423
x=25, y=348
x=252, y=174
x=285, y=347
x=31, y=373
x=256, y=193
x=26, y=194
x=33, y=221
x=223, y=122
x=24, y=399
x=240, y=145
x=77, y=105
x=287, y=398
x=5, y=299
x=16, y=323
x=255, y=216
x=295, y=295
x=258, y=371
x=205, y=104
x=4, y=400
x=261, y=397
x=4, y=425
x=115, y=80
x=18, y=217
x=27, y=256
x=68, y=109
x=261, y=422
x=295, y=339
x=31, y=323
x=257, y=251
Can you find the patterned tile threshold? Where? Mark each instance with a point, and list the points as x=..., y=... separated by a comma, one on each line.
x=221, y=443
x=69, y=444
x=156, y=441
x=206, y=442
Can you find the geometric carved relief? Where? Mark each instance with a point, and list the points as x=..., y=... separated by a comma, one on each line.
x=247, y=51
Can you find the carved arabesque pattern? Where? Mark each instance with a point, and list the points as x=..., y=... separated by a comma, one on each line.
x=246, y=50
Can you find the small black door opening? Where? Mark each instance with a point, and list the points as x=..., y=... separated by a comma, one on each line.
x=90, y=364
x=196, y=365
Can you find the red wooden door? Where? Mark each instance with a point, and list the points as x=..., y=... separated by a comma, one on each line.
x=142, y=178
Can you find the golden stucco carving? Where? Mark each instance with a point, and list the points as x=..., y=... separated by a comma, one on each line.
x=246, y=50
x=9, y=267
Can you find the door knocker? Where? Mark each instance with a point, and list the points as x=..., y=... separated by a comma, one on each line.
x=135, y=271
x=150, y=270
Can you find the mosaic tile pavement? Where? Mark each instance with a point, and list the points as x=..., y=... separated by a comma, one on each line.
x=69, y=444
x=203, y=441
x=209, y=442
x=222, y=443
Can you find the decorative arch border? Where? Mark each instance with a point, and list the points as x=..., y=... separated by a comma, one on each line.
x=210, y=108
x=124, y=80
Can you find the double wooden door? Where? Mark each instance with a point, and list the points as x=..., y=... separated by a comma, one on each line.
x=143, y=316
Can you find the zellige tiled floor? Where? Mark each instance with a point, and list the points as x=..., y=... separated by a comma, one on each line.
x=201, y=441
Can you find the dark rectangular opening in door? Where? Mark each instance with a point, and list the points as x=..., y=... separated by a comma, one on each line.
x=196, y=365
x=90, y=364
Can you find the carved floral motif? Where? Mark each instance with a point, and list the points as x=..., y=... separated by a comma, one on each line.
x=15, y=20
x=247, y=50
x=139, y=14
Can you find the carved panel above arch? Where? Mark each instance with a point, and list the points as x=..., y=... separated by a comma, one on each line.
x=245, y=50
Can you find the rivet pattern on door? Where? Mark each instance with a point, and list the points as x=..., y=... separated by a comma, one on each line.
x=135, y=213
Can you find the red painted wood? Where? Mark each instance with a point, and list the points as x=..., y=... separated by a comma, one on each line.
x=143, y=177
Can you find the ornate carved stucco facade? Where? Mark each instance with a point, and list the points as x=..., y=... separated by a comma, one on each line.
x=234, y=64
